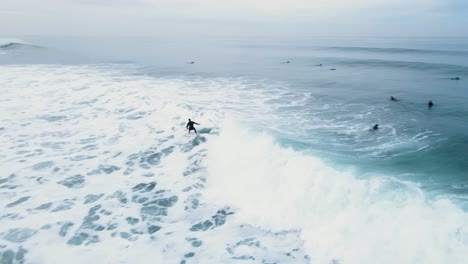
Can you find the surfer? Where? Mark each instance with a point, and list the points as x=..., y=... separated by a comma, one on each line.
x=430, y=104
x=374, y=128
x=393, y=98
x=190, y=126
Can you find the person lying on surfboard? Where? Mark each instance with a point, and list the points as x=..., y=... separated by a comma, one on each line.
x=190, y=126
x=374, y=128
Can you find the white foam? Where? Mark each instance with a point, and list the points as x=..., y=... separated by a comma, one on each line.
x=76, y=138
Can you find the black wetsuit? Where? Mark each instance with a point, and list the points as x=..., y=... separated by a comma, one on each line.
x=190, y=126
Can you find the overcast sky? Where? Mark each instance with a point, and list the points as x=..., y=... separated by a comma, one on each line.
x=394, y=18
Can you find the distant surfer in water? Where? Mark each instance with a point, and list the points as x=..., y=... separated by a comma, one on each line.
x=393, y=98
x=430, y=104
x=374, y=128
x=190, y=126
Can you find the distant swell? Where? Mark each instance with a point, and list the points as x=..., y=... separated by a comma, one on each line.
x=413, y=65
x=400, y=50
x=15, y=45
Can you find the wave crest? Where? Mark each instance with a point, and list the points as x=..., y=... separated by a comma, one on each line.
x=342, y=219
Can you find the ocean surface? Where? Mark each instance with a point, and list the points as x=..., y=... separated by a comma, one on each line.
x=96, y=165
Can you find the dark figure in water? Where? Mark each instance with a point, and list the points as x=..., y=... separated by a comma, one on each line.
x=393, y=98
x=190, y=127
x=319, y=65
x=332, y=69
x=430, y=104
x=192, y=62
x=287, y=62
x=374, y=128
x=455, y=78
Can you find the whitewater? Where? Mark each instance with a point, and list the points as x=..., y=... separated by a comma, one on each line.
x=96, y=167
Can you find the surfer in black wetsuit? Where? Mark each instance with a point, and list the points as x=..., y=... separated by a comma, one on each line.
x=393, y=98
x=430, y=104
x=190, y=126
x=374, y=128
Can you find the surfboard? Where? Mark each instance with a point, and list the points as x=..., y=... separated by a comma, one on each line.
x=187, y=134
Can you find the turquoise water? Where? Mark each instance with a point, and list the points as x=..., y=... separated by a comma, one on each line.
x=294, y=135
x=414, y=143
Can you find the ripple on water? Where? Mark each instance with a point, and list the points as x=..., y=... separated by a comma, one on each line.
x=144, y=187
x=216, y=220
x=91, y=198
x=153, y=229
x=52, y=118
x=6, y=179
x=42, y=165
x=44, y=206
x=19, y=235
x=21, y=200
x=11, y=257
x=107, y=169
x=67, y=204
x=81, y=157
x=76, y=181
